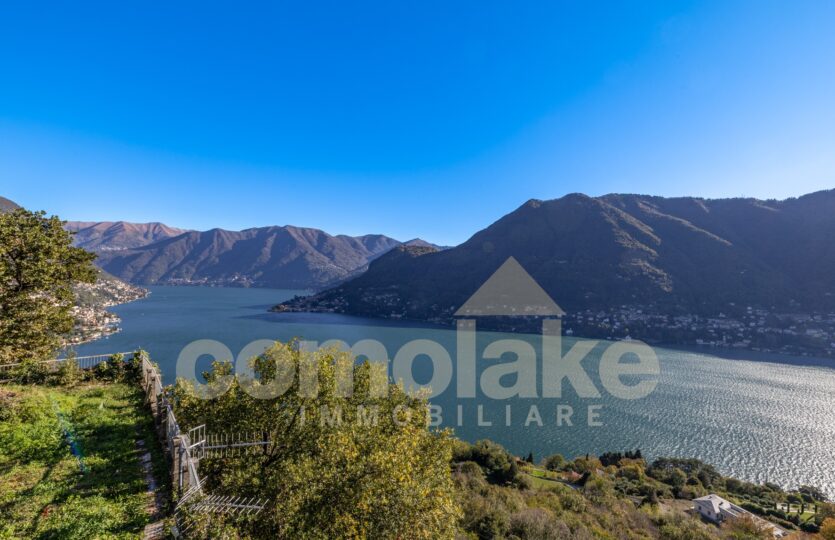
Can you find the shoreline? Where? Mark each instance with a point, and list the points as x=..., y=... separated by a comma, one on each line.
x=724, y=353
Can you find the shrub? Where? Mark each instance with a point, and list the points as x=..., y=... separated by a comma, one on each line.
x=498, y=465
x=585, y=465
x=493, y=524
x=554, y=463
x=572, y=501
x=487, y=516
x=30, y=432
x=631, y=472
x=102, y=371
x=827, y=529
x=522, y=482
x=469, y=468
x=117, y=367
x=747, y=528
x=538, y=524
x=810, y=527
x=133, y=369
x=753, y=508
x=32, y=372
x=598, y=490
x=69, y=373
x=469, y=475
x=691, y=492
x=681, y=528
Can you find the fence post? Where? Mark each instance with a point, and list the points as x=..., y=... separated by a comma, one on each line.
x=177, y=477
x=162, y=422
x=152, y=396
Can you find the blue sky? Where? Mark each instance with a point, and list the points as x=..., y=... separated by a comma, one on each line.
x=428, y=119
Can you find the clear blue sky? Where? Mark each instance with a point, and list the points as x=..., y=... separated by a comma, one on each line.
x=429, y=118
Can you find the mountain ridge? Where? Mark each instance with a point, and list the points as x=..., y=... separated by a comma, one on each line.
x=683, y=254
x=118, y=235
x=274, y=256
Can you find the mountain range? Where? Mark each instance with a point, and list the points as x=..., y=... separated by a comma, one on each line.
x=676, y=255
x=118, y=235
x=277, y=256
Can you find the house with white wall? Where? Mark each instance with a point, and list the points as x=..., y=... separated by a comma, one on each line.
x=716, y=509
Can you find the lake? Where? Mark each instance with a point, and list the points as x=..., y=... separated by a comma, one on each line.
x=755, y=419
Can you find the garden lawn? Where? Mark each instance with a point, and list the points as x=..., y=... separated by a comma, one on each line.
x=48, y=492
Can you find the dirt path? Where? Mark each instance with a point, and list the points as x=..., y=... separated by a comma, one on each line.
x=156, y=503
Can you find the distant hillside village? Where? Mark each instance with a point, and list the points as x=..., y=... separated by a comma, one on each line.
x=742, y=328
x=92, y=319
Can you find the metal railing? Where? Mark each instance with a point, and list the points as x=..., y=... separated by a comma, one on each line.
x=185, y=451
x=84, y=362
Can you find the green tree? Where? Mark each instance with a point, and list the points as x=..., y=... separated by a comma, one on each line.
x=356, y=464
x=554, y=463
x=38, y=268
x=498, y=464
x=69, y=373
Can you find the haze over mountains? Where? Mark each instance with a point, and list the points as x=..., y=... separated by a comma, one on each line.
x=278, y=256
x=680, y=255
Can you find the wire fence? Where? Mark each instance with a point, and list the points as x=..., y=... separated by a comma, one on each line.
x=184, y=451
x=177, y=443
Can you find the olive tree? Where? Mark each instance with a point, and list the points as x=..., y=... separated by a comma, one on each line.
x=360, y=463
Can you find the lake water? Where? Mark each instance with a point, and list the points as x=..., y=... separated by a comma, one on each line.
x=754, y=419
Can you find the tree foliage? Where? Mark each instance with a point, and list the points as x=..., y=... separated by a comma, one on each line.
x=38, y=268
x=363, y=465
x=554, y=462
x=747, y=528
x=498, y=464
x=828, y=529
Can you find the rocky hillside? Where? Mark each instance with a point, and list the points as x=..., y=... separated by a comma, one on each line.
x=118, y=235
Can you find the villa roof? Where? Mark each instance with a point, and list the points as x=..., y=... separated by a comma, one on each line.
x=716, y=501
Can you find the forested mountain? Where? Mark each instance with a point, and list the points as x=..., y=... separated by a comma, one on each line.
x=680, y=255
x=284, y=257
